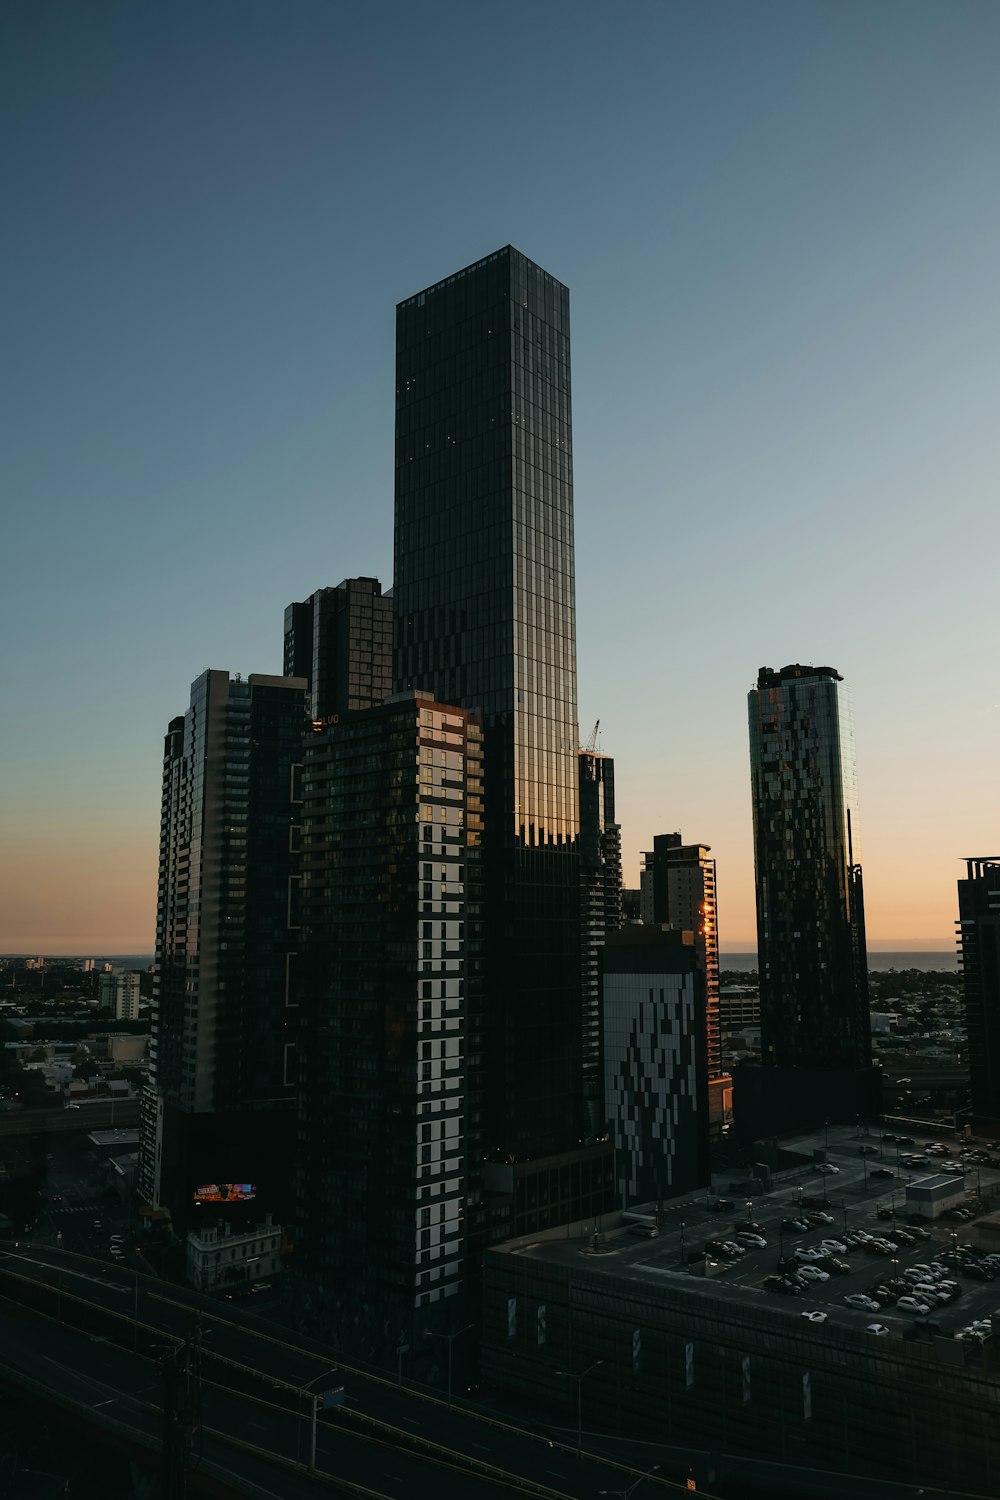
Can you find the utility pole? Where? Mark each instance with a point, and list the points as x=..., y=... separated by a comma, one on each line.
x=181, y=1412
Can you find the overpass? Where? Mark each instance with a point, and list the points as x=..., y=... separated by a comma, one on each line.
x=91, y=1342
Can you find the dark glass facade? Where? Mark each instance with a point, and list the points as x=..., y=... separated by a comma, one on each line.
x=485, y=618
x=810, y=909
x=340, y=641
x=979, y=944
x=220, y=1089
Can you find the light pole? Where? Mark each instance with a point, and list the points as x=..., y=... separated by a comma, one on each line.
x=579, y=1400
x=449, y=1339
x=749, y=1211
x=626, y=1494
x=315, y=1399
x=401, y=1349
x=683, y=1256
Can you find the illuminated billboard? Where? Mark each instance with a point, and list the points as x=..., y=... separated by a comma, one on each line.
x=225, y=1192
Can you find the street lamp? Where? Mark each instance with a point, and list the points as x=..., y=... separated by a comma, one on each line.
x=449, y=1339
x=401, y=1349
x=626, y=1494
x=683, y=1256
x=316, y=1401
x=749, y=1210
x=579, y=1400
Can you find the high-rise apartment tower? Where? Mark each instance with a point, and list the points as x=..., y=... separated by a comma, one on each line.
x=218, y=1106
x=979, y=944
x=810, y=910
x=340, y=641
x=600, y=910
x=391, y=907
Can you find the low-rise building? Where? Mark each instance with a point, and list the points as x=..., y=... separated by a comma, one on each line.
x=931, y=1196
x=221, y=1256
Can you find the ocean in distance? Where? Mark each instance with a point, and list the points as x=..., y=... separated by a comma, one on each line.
x=878, y=963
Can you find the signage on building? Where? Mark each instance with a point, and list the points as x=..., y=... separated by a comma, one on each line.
x=225, y=1192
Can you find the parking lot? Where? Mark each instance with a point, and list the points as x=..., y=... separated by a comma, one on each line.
x=863, y=1193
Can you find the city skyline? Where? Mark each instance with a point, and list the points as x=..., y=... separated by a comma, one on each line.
x=779, y=242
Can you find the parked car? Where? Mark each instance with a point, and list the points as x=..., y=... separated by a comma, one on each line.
x=813, y=1273
x=868, y=1151
x=840, y=1267
x=861, y=1302
x=883, y=1172
x=886, y=1213
x=732, y=1249
x=802, y=1253
x=748, y=1227
x=795, y=1226
x=913, y=1305
x=975, y=1271
x=928, y=1293
x=814, y=1317
x=837, y=1246
x=877, y=1330
x=828, y=1169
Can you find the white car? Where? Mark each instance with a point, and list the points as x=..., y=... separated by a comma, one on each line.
x=752, y=1241
x=812, y=1273
x=837, y=1246
x=928, y=1293
x=801, y=1252
x=913, y=1305
x=863, y=1304
x=734, y=1248
x=828, y=1169
x=815, y=1317
x=879, y=1330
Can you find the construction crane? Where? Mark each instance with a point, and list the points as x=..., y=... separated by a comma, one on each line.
x=591, y=744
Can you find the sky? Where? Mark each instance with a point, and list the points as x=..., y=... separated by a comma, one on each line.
x=780, y=226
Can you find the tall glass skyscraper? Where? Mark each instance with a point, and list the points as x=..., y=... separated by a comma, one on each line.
x=810, y=908
x=485, y=618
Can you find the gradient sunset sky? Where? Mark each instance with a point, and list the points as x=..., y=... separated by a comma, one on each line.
x=780, y=226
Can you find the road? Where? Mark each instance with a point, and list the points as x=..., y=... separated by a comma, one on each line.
x=416, y=1439
x=99, y=1116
